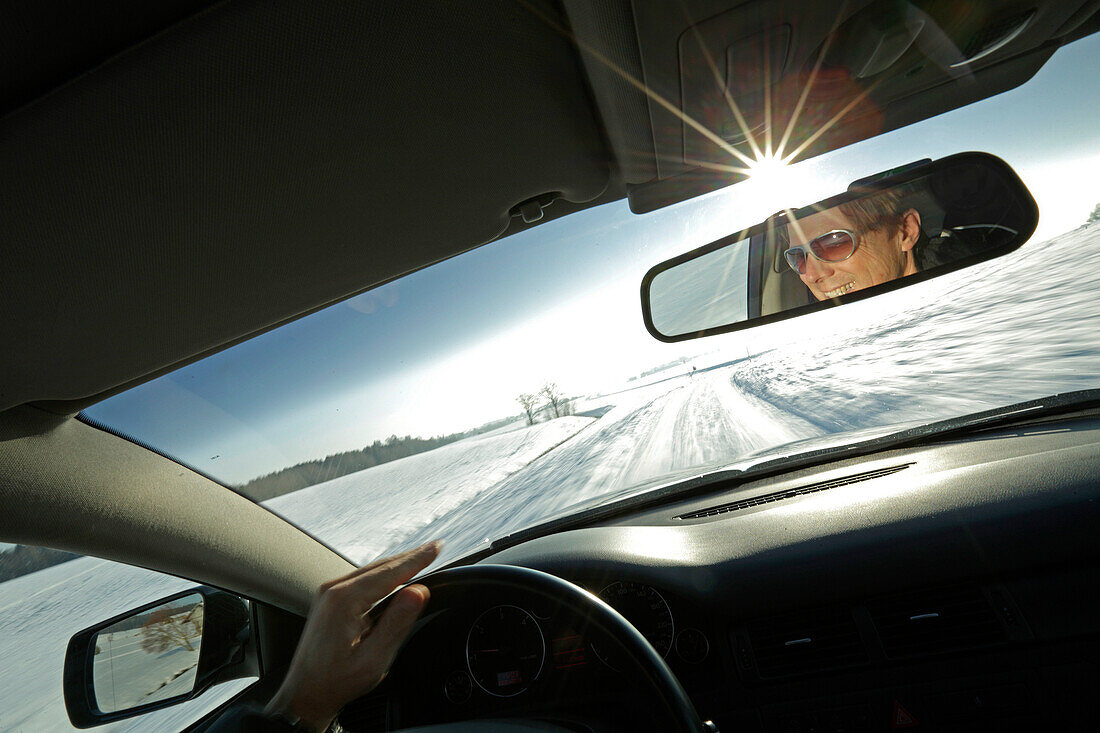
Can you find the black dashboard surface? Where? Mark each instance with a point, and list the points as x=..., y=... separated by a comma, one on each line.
x=947, y=587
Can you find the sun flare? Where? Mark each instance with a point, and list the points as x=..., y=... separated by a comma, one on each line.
x=768, y=169
x=774, y=180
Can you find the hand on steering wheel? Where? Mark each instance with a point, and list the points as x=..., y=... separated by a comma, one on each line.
x=344, y=652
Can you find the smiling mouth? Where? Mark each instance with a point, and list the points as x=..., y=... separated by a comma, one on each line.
x=837, y=292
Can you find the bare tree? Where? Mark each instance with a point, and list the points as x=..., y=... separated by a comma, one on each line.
x=528, y=402
x=554, y=396
x=163, y=631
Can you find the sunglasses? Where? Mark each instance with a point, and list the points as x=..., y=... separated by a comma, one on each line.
x=835, y=246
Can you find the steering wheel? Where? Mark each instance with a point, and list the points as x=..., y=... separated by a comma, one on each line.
x=453, y=586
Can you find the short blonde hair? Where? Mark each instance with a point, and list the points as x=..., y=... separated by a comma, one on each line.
x=871, y=213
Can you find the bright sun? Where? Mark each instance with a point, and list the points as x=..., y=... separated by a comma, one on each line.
x=767, y=169
x=773, y=185
x=771, y=181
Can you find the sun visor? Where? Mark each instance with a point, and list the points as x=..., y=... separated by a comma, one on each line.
x=260, y=160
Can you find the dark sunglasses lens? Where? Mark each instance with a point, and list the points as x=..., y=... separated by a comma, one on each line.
x=796, y=258
x=834, y=246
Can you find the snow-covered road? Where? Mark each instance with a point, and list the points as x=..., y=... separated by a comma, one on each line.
x=674, y=425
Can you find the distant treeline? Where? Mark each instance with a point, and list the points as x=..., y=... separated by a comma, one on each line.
x=309, y=473
x=24, y=559
x=661, y=368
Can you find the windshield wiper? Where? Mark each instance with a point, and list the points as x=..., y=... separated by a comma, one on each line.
x=1018, y=413
x=723, y=480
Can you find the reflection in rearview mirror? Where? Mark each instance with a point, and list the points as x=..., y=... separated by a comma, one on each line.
x=883, y=233
x=149, y=657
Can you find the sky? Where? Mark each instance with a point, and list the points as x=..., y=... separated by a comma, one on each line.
x=450, y=347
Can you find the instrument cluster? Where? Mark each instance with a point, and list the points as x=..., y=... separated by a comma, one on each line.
x=508, y=647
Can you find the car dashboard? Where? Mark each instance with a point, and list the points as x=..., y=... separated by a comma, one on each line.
x=950, y=586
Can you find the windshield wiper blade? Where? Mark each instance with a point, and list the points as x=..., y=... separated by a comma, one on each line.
x=1083, y=399
x=1020, y=412
x=724, y=480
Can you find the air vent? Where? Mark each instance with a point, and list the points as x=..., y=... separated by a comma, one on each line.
x=369, y=713
x=933, y=621
x=806, y=642
x=734, y=506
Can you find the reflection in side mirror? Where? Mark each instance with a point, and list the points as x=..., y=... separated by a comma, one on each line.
x=148, y=657
x=883, y=233
x=159, y=655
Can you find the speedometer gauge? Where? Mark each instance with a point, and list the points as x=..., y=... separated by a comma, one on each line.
x=505, y=650
x=643, y=607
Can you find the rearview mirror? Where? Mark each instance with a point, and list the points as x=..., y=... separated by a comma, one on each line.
x=888, y=231
x=158, y=655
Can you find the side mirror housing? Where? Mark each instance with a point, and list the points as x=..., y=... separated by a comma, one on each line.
x=161, y=654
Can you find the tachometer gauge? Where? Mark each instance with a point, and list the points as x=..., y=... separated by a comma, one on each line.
x=646, y=609
x=505, y=650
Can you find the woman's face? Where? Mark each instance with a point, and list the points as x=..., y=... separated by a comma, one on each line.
x=881, y=255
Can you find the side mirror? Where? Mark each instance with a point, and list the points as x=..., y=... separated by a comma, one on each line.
x=887, y=231
x=159, y=655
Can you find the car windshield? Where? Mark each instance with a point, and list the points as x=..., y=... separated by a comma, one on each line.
x=517, y=382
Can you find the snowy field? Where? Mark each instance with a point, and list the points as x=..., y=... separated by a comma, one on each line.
x=362, y=514
x=1023, y=326
x=1013, y=329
